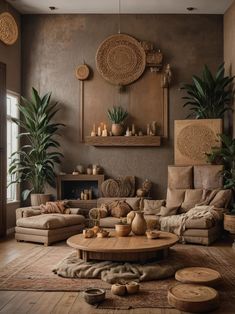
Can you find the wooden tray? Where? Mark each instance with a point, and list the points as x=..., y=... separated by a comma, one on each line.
x=198, y=275
x=193, y=298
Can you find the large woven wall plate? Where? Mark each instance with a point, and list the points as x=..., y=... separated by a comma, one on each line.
x=194, y=138
x=120, y=59
x=8, y=29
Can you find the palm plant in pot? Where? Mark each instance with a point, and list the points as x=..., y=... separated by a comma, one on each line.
x=209, y=97
x=117, y=115
x=35, y=161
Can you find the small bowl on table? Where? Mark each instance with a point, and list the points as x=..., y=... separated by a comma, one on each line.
x=152, y=234
x=122, y=230
x=94, y=295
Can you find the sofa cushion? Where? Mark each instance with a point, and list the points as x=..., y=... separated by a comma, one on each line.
x=153, y=207
x=50, y=221
x=208, y=177
x=199, y=223
x=191, y=198
x=109, y=222
x=180, y=177
x=134, y=202
x=119, y=209
x=174, y=198
x=168, y=211
x=59, y=207
x=222, y=199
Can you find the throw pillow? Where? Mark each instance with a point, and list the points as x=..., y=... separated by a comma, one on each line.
x=119, y=209
x=192, y=197
x=174, y=198
x=133, y=202
x=208, y=177
x=97, y=213
x=168, y=211
x=59, y=207
x=222, y=199
x=153, y=207
x=180, y=177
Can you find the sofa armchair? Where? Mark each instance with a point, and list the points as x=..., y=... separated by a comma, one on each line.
x=188, y=186
x=34, y=226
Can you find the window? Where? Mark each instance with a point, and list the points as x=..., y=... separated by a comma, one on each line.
x=12, y=141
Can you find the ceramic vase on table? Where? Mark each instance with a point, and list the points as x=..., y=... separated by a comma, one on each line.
x=139, y=225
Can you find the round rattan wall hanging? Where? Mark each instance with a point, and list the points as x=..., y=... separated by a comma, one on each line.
x=120, y=59
x=82, y=72
x=8, y=29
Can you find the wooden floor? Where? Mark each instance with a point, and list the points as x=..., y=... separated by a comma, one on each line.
x=65, y=302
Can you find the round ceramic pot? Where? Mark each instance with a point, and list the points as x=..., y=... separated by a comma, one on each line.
x=117, y=129
x=122, y=230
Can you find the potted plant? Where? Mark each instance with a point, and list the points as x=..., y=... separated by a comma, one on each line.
x=117, y=115
x=209, y=97
x=35, y=162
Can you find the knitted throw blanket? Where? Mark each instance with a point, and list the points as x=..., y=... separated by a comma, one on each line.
x=176, y=223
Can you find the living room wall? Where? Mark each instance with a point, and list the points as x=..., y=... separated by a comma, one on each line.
x=54, y=45
x=229, y=45
x=11, y=56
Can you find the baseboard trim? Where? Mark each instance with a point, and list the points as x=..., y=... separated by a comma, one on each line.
x=11, y=231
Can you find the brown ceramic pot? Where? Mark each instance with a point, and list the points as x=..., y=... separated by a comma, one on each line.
x=117, y=129
x=122, y=230
x=139, y=225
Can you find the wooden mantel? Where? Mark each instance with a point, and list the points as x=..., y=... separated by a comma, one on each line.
x=123, y=141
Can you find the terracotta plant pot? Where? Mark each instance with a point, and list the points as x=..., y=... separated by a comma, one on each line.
x=38, y=199
x=139, y=225
x=117, y=129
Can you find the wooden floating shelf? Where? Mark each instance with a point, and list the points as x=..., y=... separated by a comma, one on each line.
x=123, y=141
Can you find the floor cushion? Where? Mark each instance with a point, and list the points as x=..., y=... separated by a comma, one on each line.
x=50, y=221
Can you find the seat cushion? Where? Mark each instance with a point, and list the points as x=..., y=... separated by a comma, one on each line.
x=200, y=223
x=50, y=221
x=109, y=222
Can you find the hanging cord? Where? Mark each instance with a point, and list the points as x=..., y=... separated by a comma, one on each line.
x=119, y=17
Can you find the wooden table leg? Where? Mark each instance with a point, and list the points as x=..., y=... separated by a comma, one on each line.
x=85, y=256
x=79, y=255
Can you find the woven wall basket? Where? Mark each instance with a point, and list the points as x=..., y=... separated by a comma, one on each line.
x=120, y=59
x=8, y=29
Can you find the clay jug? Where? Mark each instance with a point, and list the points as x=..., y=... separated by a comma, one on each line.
x=139, y=225
x=117, y=129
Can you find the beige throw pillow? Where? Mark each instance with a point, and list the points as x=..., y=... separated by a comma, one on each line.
x=174, y=198
x=59, y=207
x=208, y=177
x=192, y=197
x=119, y=209
x=168, y=211
x=133, y=202
x=153, y=207
x=180, y=177
x=222, y=199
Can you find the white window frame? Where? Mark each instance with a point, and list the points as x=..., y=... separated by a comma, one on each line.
x=17, y=187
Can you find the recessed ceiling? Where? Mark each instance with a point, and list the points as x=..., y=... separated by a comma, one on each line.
x=126, y=6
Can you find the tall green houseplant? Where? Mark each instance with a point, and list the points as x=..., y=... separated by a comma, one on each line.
x=209, y=97
x=35, y=161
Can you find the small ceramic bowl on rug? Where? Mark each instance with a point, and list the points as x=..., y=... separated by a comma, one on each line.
x=132, y=287
x=94, y=295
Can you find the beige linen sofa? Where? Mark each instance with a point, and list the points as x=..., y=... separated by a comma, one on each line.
x=187, y=187
x=33, y=226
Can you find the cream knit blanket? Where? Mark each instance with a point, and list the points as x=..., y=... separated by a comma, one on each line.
x=176, y=223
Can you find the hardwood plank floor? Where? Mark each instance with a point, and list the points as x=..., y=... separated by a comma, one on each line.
x=22, y=302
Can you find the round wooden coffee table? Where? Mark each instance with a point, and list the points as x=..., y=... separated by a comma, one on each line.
x=131, y=248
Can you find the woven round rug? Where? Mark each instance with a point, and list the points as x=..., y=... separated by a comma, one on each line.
x=120, y=59
x=8, y=28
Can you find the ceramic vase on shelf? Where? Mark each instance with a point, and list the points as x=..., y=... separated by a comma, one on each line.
x=117, y=129
x=139, y=225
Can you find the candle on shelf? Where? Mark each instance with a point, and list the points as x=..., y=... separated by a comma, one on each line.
x=93, y=127
x=99, y=131
x=105, y=132
x=148, y=129
x=133, y=129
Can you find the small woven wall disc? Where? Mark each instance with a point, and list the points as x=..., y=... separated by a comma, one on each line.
x=8, y=29
x=120, y=59
x=82, y=72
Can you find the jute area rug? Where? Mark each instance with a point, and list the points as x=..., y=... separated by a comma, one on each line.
x=33, y=272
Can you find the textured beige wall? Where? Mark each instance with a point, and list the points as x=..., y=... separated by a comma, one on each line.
x=11, y=55
x=229, y=46
x=54, y=45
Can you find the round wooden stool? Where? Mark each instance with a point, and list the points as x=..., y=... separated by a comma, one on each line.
x=193, y=298
x=198, y=275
